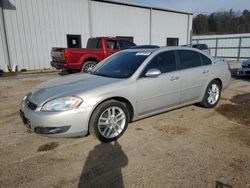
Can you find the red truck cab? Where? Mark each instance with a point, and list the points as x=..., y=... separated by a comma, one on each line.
x=85, y=59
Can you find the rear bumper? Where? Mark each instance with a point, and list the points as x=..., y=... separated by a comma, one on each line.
x=63, y=65
x=57, y=65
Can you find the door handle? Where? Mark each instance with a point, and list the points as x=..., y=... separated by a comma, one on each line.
x=174, y=78
x=205, y=71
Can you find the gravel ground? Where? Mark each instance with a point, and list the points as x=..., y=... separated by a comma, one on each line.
x=188, y=147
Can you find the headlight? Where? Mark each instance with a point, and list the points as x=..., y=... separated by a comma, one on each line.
x=62, y=104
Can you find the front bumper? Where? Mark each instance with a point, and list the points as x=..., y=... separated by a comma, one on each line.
x=71, y=123
x=243, y=72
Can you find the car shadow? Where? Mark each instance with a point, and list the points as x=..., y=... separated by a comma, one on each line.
x=63, y=73
x=103, y=166
x=219, y=184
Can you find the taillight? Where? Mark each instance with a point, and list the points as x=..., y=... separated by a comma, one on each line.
x=66, y=55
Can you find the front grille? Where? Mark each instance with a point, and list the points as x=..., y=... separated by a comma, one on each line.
x=30, y=104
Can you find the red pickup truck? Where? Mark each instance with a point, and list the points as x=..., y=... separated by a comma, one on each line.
x=85, y=59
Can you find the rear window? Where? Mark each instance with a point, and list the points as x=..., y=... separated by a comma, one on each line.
x=205, y=60
x=124, y=44
x=200, y=46
x=94, y=43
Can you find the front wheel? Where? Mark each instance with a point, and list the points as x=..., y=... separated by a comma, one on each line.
x=212, y=95
x=109, y=121
x=88, y=66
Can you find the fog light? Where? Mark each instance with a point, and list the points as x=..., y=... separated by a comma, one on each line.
x=51, y=130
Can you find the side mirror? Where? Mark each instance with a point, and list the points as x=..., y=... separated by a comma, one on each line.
x=152, y=73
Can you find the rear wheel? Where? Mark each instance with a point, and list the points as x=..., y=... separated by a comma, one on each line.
x=88, y=66
x=109, y=121
x=212, y=95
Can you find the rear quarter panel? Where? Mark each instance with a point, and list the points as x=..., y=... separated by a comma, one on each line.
x=221, y=71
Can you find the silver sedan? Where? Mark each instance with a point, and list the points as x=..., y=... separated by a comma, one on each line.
x=127, y=86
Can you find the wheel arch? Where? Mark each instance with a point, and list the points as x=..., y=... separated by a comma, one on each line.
x=220, y=81
x=88, y=57
x=117, y=98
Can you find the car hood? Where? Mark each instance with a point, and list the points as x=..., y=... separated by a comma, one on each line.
x=67, y=86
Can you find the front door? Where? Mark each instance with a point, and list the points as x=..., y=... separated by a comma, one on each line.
x=159, y=93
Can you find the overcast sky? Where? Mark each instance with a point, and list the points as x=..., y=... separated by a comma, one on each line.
x=198, y=6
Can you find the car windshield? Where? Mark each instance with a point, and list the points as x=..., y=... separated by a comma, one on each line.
x=121, y=65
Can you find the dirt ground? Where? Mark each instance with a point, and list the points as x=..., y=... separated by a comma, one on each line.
x=188, y=147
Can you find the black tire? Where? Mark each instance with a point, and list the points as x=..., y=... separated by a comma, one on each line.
x=205, y=101
x=93, y=124
x=86, y=66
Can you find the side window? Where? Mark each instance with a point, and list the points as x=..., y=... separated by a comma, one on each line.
x=99, y=44
x=112, y=44
x=164, y=61
x=124, y=44
x=188, y=59
x=205, y=60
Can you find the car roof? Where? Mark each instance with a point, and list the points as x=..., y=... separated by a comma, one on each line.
x=165, y=48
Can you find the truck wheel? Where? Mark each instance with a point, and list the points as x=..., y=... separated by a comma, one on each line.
x=109, y=121
x=88, y=66
x=212, y=95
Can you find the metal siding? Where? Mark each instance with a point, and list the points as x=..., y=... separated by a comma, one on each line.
x=169, y=24
x=36, y=26
x=230, y=53
x=2, y=53
x=245, y=53
x=118, y=20
x=3, y=49
x=190, y=30
x=245, y=42
x=233, y=46
x=228, y=43
x=221, y=36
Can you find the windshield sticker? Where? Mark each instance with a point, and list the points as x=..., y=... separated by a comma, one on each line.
x=143, y=53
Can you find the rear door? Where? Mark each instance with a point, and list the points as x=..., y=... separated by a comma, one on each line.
x=162, y=92
x=193, y=77
x=95, y=44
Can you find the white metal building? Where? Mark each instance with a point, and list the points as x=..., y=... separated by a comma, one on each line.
x=29, y=28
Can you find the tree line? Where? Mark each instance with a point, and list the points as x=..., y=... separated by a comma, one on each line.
x=222, y=22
